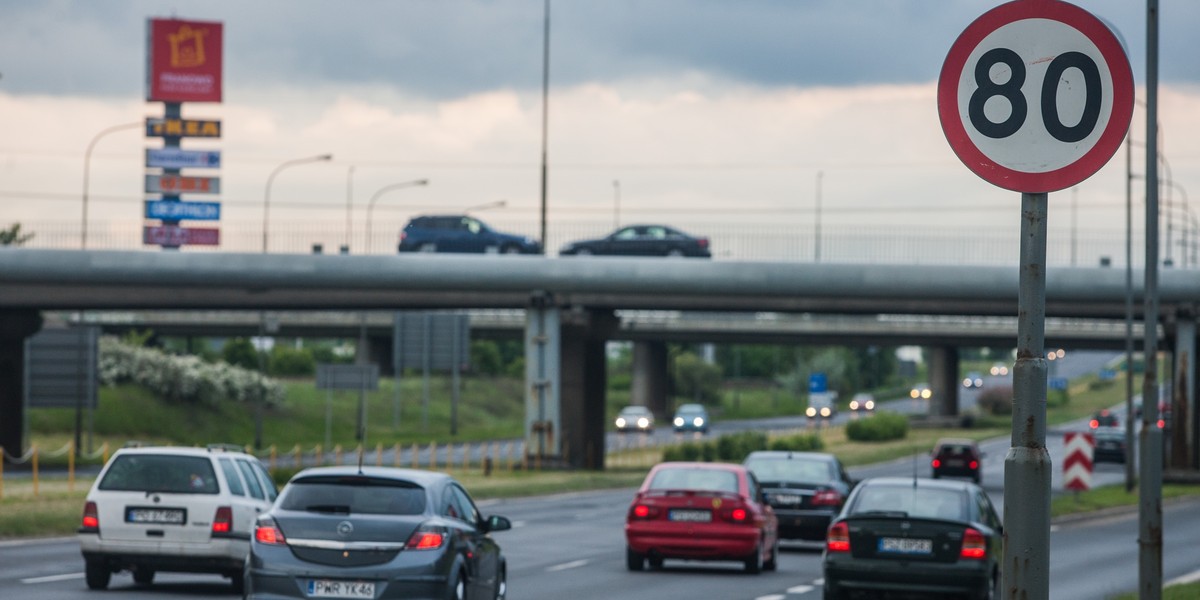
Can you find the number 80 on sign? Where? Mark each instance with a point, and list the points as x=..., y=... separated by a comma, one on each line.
x=1035, y=95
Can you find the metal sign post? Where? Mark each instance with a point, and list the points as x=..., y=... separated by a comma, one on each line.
x=1034, y=96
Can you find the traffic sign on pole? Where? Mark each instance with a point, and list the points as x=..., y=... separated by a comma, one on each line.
x=1035, y=95
x=1077, y=463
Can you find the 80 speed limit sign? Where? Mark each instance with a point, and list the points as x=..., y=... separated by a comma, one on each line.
x=1035, y=95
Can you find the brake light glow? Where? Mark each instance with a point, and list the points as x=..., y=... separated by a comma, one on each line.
x=223, y=520
x=268, y=533
x=738, y=514
x=838, y=538
x=91, y=516
x=974, y=464
x=702, y=242
x=937, y=463
x=974, y=545
x=1094, y=423
x=426, y=538
x=641, y=511
x=1162, y=423
x=827, y=498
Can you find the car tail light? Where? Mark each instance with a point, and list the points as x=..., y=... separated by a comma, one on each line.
x=936, y=463
x=738, y=515
x=643, y=511
x=826, y=498
x=223, y=520
x=426, y=538
x=838, y=538
x=403, y=236
x=91, y=517
x=974, y=545
x=1094, y=423
x=702, y=242
x=1162, y=423
x=974, y=464
x=265, y=532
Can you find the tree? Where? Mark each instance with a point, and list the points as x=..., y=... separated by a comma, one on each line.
x=239, y=352
x=13, y=236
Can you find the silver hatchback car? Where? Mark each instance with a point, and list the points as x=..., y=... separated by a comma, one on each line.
x=375, y=532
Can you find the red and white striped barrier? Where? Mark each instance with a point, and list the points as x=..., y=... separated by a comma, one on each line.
x=1077, y=464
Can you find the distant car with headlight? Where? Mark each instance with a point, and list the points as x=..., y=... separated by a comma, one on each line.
x=974, y=379
x=921, y=391
x=691, y=417
x=999, y=369
x=821, y=404
x=635, y=418
x=375, y=532
x=862, y=402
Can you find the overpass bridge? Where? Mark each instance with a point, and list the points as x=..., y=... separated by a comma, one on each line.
x=572, y=306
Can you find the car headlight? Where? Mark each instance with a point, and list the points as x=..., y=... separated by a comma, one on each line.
x=926, y=394
x=698, y=422
x=620, y=421
x=870, y=405
x=915, y=394
x=811, y=412
x=854, y=405
x=825, y=412
x=643, y=422
x=679, y=421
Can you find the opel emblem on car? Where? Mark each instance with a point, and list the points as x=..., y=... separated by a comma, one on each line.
x=345, y=528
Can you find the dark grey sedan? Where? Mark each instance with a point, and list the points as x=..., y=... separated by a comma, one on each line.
x=375, y=532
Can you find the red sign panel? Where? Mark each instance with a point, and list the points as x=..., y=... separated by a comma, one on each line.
x=182, y=184
x=170, y=235
x=1077, y=463
x=185, y=61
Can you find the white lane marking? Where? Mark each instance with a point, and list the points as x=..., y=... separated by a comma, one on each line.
x=1192, y=577
x=517, y=524
x=1053, y=528
x=800, y=589
x=575, y=564
x=819, y=582
x=772, y=597
x=53, y=578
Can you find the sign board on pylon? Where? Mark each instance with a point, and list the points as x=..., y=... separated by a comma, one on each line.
x=1077, y=464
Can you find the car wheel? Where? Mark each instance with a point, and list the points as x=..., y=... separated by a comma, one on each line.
x=754, y=563
x=675, y=253
x=427, y=247
x=237, y=579
x=458, y=587
x=989, y=591
x=831, y=592
x=97, y=575
x=633, y=560
x=512, y=250
x=935, y=475
x=583, y=252
x=143, y=576
x=772, y=562
x=502, y=584
x=978, y=478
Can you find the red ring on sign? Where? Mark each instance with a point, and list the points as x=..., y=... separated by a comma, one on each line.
x=1108, y=142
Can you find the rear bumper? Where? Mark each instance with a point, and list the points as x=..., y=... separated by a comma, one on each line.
x=165, y=562
x=904, y=576
x=803, y=524
x=726, y=545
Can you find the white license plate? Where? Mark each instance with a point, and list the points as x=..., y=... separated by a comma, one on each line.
x=168, y=516
x=325, y=588
x=691, y=516
x=786, y=498
x=954, y=463
x=905, y=545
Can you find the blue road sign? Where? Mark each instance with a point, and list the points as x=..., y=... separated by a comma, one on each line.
x=817, y=383
x=1058, y=383
x=178, y=211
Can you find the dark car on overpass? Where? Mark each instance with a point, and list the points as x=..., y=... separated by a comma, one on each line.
x=462, y=234
x=642, y=240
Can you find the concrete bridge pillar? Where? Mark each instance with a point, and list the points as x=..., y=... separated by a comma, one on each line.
x=15, y=327
x=1182, y=451
x=565, y=373
x=649, y=385
x=943, y=381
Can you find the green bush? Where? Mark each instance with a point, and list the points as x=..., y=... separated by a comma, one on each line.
x=996, y=400
x=239, y=352
x=697, y=379
x=878, y=428
x=801, y=442
x=727, y=448
x=287, y=361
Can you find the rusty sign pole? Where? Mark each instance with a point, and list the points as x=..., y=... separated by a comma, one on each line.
x=1027, y=466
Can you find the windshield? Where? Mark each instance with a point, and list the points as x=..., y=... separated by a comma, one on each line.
x=799, y=470
x=709, y=480
x=914, y=502
x=354, y=495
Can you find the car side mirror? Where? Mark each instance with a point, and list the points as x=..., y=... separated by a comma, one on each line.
x=497, y=523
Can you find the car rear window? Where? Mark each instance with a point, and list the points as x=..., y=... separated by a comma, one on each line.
x=354, y=495
x=709, y=480
x=915, y=502
x=160, y=473
x=955, y=450
x=798, y=470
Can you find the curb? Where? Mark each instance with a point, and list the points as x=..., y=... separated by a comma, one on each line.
x=1115, y=511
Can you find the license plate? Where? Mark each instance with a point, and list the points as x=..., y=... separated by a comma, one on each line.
x=954, y=463
x=786, y=498
x=162, y=516
x=325, y=588
x=692, y=516
x=905, y=545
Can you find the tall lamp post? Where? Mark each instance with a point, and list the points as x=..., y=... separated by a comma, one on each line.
x=267, y=195
x=486, y=205
x=87, y=167
x=383, y=190
x=616, y=203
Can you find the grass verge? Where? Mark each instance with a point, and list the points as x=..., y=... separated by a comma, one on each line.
x=1183, y=591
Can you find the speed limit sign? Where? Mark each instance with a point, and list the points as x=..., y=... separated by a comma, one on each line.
x=1035, y=95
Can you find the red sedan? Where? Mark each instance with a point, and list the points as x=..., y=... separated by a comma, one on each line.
x=701, y=511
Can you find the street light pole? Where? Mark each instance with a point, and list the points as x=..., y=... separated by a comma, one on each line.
x=486, y=206
x=545, y=111
x=349, y=197
x=817, y=226
x=87, y=167
x=616, y=203
x=267, y=195
x=382, y=191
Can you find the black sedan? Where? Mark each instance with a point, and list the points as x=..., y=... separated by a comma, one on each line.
x=914, y=536
x=641, y=240
x=375, y=532
x=806, y=489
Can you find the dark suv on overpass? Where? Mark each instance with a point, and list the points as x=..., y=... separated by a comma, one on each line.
x=464, y=234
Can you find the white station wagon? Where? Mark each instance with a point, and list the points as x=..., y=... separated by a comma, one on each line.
x=173, y=509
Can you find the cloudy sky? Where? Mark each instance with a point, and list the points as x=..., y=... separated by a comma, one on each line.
x=717, y=116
